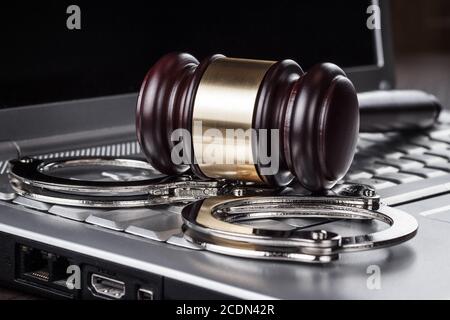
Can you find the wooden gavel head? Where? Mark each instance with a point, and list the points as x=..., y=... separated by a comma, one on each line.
x=315, y=117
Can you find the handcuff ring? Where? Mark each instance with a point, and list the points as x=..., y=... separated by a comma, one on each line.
x=212, y=223
x=38, y=173
x=31, y=178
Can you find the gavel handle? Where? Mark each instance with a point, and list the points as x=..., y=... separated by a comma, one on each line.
x=397, y=110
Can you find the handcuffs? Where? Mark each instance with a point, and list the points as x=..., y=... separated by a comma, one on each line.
x=212, y=224
x=32, y=178
x=217, y=209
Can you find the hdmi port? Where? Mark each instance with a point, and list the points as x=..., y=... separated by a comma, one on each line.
x=107, y=287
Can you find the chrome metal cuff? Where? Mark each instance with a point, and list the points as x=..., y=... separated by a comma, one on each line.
x=36, y=179
x=213, y=224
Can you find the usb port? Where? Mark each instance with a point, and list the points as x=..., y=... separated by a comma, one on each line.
x=144, y=294
x=107, y=287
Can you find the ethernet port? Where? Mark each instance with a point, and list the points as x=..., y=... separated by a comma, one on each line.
x=34, y=264
x=42, y=268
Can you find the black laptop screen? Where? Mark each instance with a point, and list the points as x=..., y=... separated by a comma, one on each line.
x=41, y=60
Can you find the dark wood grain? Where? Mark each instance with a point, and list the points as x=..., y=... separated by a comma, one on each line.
x=319, y=108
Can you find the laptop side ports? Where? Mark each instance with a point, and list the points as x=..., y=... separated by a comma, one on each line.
x=43, y=269
x=144, y=294
x=109, y=282
x=107, y=287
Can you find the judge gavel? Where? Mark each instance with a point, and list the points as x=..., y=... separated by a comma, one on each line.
x=315, y=115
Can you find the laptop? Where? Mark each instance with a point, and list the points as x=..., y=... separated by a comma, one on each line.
x=72, y=93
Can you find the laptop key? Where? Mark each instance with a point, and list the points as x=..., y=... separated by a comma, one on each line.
x=429, y=144
x=377, y=137
x=410, y=148
x=440, y=133
x=180, y=241
x=398, y=178
x=6, y=192
x=363, y=143
x=391, y=154
x=426, y=159
x=440, y=153
x=362, y=156
x=402, y=164
x=158, y=227
x=120, y=219
x=426, y=172
x=380, y=153
x=378, y=168
x=443, y=138
x=415, y=190
x=362, y=163
x=74, y=213
x=357, y=174
x=441, y=166
x=444, y=118
x=176, y=208
x=33, y=204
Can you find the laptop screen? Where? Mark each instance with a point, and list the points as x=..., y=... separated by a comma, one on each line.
x=42, y=60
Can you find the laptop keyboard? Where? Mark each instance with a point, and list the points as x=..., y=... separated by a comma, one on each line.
x=402, y=167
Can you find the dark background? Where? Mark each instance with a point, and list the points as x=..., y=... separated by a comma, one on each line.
x=422, y=46
x=42, y=61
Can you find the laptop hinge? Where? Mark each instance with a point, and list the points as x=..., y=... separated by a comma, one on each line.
x=70, y=141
